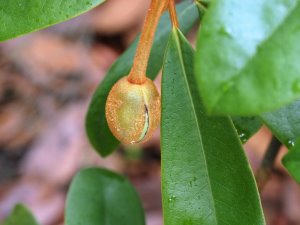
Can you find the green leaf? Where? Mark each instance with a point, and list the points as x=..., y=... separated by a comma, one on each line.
x=292, y=161
x=284, y=123
x=18, y=17
x=246, y=126
x=101, y=197
x=20, y=216
x=206, y=178
x=96, y=126
x=247, y=59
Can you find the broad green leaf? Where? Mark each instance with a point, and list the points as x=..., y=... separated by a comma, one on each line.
x=96, y=126
x=18, y=17
x=292, y=161
x=247, y=59
x=101, y=197
x=206, y=178
x=246, y=126
x=284, y=123
x=20, y=216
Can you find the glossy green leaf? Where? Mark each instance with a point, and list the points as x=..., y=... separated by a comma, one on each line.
x=20, y=216
x=292, y=161
x=247, y=59
x=206, y=178
x=97, y=129
x=246, y=126
x=284, y=123
x=101, y=197
x=18, y=17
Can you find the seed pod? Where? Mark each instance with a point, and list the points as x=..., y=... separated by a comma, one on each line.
x=133, y=110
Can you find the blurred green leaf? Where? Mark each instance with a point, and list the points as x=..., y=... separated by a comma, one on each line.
x=206, y=178
x=18, y=17
x=285, y=123
x=101, y=197
x=247, y=59
x=20, y=216
x=96, y=126
x=291, y=161
x=246, y=126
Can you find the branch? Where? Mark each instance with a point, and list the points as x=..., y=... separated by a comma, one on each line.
x=267, y=164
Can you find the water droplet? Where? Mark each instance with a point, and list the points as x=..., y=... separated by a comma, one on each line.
x=296, y=86
x=244, y=140
x=291, y=143
x=172, y=198
x=243, y=137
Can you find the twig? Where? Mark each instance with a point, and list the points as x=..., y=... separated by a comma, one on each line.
x=267, y=164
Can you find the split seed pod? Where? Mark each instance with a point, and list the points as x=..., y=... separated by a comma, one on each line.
x=133, y=110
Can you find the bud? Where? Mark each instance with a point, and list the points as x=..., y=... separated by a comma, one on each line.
x=133, y=110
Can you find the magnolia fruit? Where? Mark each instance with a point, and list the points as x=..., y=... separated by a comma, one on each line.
x=133, y=110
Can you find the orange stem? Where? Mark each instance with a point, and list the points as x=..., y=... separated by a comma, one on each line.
x=137, y=74
x=173, y=14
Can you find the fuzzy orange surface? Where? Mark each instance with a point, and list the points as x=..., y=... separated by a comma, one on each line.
x=133, y=110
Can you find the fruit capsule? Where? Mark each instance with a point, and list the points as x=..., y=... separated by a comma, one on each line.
x=133, y=110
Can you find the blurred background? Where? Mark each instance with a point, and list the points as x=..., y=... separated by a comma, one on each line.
x=46, y=82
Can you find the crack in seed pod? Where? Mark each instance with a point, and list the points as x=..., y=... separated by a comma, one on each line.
x=146, y=126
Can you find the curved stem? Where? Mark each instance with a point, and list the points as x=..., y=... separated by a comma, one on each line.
x=173, y=14
x=137, y=74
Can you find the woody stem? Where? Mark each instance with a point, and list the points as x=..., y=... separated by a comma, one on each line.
x=267, y=165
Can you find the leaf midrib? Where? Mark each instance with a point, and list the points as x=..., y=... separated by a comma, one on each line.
x=175, y=31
